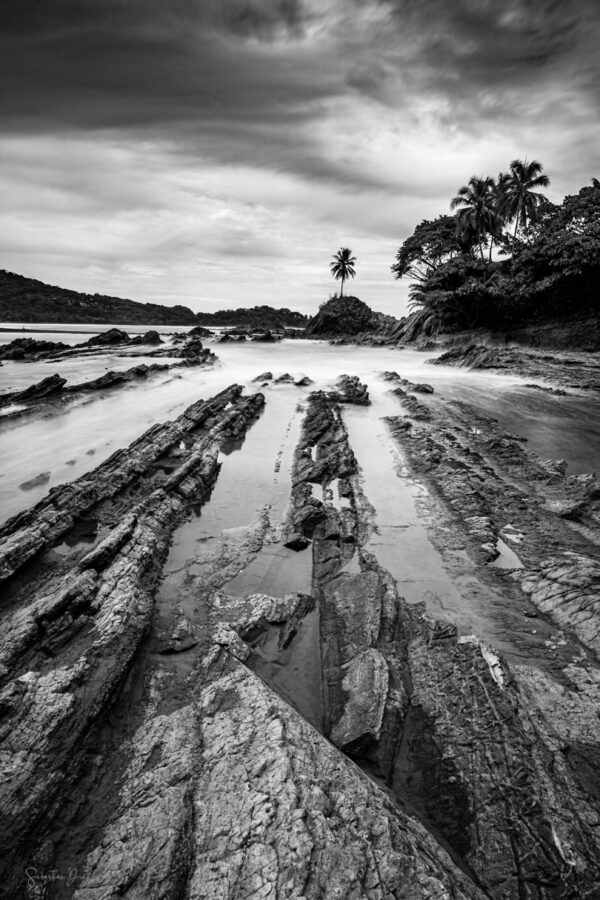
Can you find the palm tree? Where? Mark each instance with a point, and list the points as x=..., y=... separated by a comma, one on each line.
x=501, y=194
x=343, y=266
x=522, y=198
x=476, y=205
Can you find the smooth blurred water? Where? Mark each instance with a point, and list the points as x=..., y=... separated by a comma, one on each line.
x=74, y=334
x=74, y=440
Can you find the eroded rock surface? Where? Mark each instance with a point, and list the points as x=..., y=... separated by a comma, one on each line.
x=564, y=369
x=155, y=737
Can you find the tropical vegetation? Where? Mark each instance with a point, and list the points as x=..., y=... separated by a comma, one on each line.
x=343, y=266
x=506, y=257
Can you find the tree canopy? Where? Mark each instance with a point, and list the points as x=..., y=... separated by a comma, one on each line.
x=431, y=244
x=548, y=262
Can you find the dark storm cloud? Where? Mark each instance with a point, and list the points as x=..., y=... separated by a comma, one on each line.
x=147, y=143
x=264, y=19
x=91, y=64
x=470, y=48
x=196, y=69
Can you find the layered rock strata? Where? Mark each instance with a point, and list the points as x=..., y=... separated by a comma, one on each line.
x=561, y=368
x=37, y=528
x=456, y=733
x=150, y=750
x=55, y=390
x=72, y=627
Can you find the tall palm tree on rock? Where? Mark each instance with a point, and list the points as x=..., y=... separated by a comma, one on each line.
x=343, y=266
x=522, y=198
x=475, y=203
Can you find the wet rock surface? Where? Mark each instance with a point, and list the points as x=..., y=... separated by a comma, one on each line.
x=31, y=348
x=349, y=389
x=107, y=338
x=51, y=393
x=450, y=727
x=185, y=346
x=564, y=369
x=168, y=730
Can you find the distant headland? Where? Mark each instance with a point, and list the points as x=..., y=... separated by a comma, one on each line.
x=29, y=301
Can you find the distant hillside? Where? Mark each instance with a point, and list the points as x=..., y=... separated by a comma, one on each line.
x=265, y=316
x=27, y=300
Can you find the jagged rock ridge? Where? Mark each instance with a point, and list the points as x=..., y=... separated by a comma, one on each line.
x=152, y=749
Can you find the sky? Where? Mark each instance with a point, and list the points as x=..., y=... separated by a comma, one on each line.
x=217, y=153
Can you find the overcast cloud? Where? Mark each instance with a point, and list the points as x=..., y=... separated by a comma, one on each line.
x=217, y=152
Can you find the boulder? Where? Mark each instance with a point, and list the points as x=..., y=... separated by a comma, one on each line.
x=150, y=337
x=297, y=541
x=108, y=338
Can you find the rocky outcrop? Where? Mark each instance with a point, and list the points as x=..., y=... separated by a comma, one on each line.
x=108, y=338
x=570, y=370
x=47, y=387
x=403, y=384
x=31, y=349
x=343, y=316
x=52, y=392
x=37, y=528
x=349, y=389
x=199, y=331
x=255, y=797
x=152, y=337
x=72, y=631
x=443, y=720
x=499, y=492
x=168, y=734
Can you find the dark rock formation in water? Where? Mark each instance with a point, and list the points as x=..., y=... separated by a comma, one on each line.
x=349, y=389
x=30, y=348
x=267, y=337
x=343, y=316
x=48, y=394
x=108, y=338
x=199, y=331
x=51, y=385
x=152, y=745
x=31, y=531
x=460, y=736
x=188, y=346
x=153, y=337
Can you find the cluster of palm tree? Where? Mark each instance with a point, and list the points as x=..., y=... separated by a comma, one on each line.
x=486, y=206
